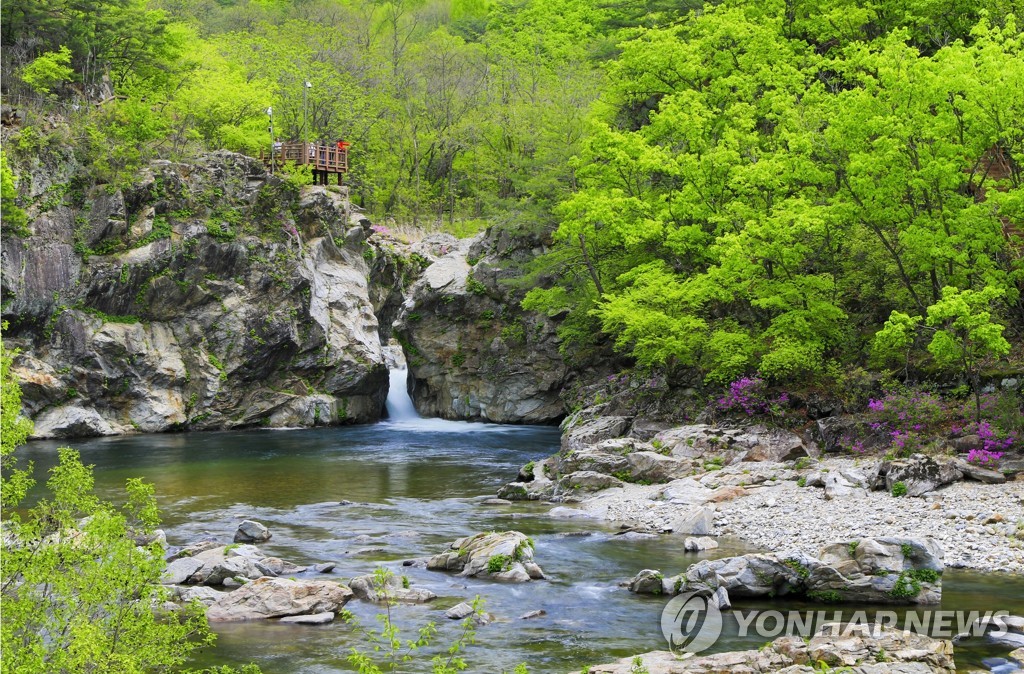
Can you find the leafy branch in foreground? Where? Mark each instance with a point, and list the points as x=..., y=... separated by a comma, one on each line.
x=390, y=651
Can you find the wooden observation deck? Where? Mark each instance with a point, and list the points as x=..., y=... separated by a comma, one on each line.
x=323, y=159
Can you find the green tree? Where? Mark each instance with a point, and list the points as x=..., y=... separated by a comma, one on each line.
x=48, y=70
x=79, y=580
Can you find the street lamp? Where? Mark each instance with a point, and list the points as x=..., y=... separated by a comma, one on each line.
x=270, y=116
x=306, y=86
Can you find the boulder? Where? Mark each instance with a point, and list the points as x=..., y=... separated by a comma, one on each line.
x=180, y=570
x=588, y=480
x=594, y=431
x=71, y=421
x=754, y=443
x=266, y=598
x=648, y=581
x=394, y=588
x=869, y=570
x=497, y=555
x=654, y=468
x=459, y=611
x=697, y=521
x=920, y=473
x=250, y=531
x=836, y=434
x=700, y=544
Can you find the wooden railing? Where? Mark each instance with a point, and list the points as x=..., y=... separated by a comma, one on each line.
x=329, y=158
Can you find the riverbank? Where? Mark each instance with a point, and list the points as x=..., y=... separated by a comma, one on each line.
x=980, y=526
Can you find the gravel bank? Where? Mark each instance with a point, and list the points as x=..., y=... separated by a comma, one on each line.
x=976, y=524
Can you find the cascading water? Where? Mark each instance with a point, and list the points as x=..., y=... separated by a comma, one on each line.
x=399, y=404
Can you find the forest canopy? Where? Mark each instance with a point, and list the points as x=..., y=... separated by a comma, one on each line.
x=721, y=188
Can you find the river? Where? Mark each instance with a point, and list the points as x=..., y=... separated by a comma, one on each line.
x=374, y=495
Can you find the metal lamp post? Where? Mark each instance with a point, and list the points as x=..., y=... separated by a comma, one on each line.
x=305, y=128
x=270, y=116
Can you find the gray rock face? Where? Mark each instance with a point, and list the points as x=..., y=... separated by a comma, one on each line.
x=225, y=322
x=279, y=597
x=858, y=649
x=472, y=354
x=869, y=570
x=252, y=532
x=505, y=555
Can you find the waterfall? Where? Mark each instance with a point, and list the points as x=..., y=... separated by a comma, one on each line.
x=399, y=404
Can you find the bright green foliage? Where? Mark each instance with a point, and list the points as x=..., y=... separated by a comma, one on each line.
x=48, y=70
x=769, y=181
x=78, y=593
x=14, y=218
x=14, y=430
x=390, y=651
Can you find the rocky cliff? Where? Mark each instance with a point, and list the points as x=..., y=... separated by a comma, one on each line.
x=473, y=353
x=202, y=296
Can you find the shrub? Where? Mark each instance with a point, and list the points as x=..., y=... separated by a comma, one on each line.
x=899, y=489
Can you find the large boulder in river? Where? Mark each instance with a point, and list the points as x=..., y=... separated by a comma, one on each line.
x=504, y=555
x=869, y=570
x=266, y=598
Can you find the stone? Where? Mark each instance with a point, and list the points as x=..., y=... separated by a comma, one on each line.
x=920, y=473
x=986, y=475
x=459, y=611
x=700, y=544
x=314, y=619
x=836, y=485
x=324, y=567
x=367, y=588
x=497, y=555
x=71, y=421
x=588, y=480
x=882, y=570
x=180, y=570
x=272, y=566
x=206, y=596
x=250, y=531
x=648, y=581
x=266, y=598
x=654, y=468
x=697, y=521
x=593, y=431
x=530, y=615
x=495, y=502
x=727, y=493
x=755, y=443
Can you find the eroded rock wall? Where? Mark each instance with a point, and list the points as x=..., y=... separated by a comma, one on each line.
x=203, y=296
x=473, y=353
